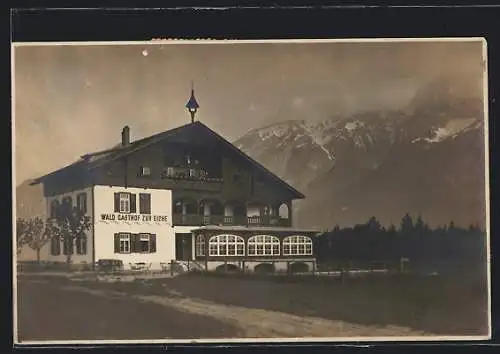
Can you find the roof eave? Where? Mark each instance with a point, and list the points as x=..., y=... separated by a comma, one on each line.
x=36, y=181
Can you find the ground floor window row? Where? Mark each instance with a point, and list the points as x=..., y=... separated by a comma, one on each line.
x=78, y=246
x=261, y=245
x=134, y=243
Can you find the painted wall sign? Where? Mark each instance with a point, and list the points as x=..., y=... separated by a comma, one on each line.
x=133, y=217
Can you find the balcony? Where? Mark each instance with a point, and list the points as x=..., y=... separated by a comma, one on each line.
x=191, y=179
x=189, y=174
x=200, y=220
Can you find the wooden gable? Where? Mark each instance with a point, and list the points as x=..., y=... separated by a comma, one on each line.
x=195, y=135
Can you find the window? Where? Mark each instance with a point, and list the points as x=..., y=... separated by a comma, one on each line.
x=297, y=246
x=81, y=246
x=170, y=171
x=55, y=246
x=135, y=243
x=81, y=202
x=54, y=206
x=192, y=173
x=145, y=203
x=145, y=171
x=263, y=245
x=226, y=245
x=125, y=202
x=68, y=246
x=122, y=243
x=200, y=245
x=143, y=243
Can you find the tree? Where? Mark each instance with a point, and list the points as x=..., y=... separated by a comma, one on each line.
x=406, y=224
x=69, y=226
x=21, y=234
x=373, y=224
x=39, y=234
x=419, y=226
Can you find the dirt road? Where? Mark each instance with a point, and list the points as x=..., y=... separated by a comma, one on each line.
x=257, y=323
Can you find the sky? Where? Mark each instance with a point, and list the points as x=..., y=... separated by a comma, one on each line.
x=74, y=99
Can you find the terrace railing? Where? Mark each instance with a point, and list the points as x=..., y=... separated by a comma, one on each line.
x=199, y=220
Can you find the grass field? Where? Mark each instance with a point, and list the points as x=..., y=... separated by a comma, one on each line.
x=200, y=306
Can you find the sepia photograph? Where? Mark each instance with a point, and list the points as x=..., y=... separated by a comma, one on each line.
x=180, y=191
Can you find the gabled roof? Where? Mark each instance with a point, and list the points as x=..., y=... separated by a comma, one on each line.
x=192, y=132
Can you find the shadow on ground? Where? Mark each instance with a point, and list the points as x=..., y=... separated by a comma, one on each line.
x=47, y=312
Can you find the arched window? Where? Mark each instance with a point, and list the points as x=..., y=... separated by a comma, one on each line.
x=297, y=246
x=200, y=245
x=226, y=245
x=284, y=211
x=263, y=245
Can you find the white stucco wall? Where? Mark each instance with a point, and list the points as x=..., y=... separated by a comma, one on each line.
x=279, y=265
x=75, y=258
x=161, y=205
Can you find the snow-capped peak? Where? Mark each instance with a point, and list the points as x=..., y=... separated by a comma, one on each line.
x=353, y=125
x=450, y=130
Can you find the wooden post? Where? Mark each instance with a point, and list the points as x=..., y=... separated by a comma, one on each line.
x=172, y=267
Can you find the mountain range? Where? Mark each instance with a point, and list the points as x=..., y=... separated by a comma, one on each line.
x=426, y=158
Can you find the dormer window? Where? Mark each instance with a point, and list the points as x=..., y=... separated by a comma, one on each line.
x=145, y=171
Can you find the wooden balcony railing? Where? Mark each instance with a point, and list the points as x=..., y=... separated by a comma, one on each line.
x=194, y=219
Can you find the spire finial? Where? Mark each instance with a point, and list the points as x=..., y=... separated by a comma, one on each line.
x=192, y=104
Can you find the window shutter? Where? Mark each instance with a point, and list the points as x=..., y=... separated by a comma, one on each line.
x=55, y=249
x=84, y=246
x=117, y=202
x=117, y=242
x=84, y=202
x=145, y=203
x=134, y=243
x=65, y=247
x=78, y=246
x=152, y=243
x=133, y=207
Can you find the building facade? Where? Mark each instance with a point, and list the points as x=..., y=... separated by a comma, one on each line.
x=186, y=194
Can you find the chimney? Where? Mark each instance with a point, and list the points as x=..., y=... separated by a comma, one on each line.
x=125, y=136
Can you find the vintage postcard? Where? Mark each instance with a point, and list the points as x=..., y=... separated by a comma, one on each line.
x=250, y=191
